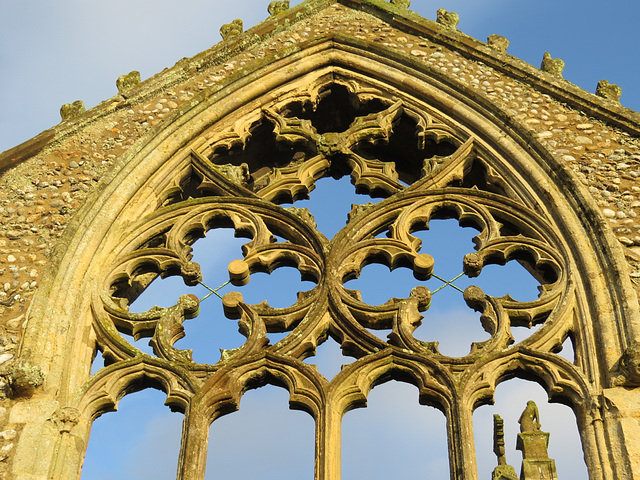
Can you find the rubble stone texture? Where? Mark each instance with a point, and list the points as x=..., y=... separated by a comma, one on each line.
x=92, y=210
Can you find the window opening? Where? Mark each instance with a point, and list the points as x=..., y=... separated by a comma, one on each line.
x=402, y=150
x=264, y=439
x=336, y=110
x=520, y=333
x=558, y=420
x=568, y=351
x=97, y=363
x=329, y=358
x=141, y=440
x=449, y=320
x=394, y=437
x=330, y=203
x=279, y=288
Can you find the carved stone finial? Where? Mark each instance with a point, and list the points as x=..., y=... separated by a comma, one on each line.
x=502, y=471
x=128, y=81
x=70, y=110
x=238, y=174
x=66, y=418
x=448, y=19
x=553, y=66
x=232, y=29
x=402, y=3
x=608, y=90
x=498, y=439
x=498, y=42
x=278, y=6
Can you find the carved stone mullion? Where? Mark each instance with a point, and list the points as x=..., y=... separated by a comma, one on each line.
x=193, y=449
x=590, y=427
x=329, y=443
x=461, y=441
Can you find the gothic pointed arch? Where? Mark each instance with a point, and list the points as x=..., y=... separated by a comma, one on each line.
x=401, y=129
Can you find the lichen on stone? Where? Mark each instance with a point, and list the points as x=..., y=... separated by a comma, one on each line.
x=277, y=7
x=71, y=110
x=447, y=19
x=128, y=81
x=232, y=29
x=22, y=379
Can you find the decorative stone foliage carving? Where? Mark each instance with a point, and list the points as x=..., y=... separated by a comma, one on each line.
x=128, y=81
x=66, y=418
x=278, y=6
x=630, y=365
x=402, y=3
x=553, y=66
x=498, y=42
x=71, y=110
x=608, y=90
x=448, y=19
x=232, y=29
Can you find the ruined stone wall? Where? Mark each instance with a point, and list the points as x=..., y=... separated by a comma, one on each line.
x=41, y=192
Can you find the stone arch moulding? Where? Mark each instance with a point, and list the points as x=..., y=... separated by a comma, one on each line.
x=522, y=187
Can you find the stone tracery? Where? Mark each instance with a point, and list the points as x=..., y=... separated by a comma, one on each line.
x=402, y=130
x=244, y=195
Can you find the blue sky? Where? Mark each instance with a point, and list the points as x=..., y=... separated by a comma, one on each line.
x=53, y=53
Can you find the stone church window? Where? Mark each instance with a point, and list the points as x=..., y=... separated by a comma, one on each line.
x=419, y=171
x=229, y=171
